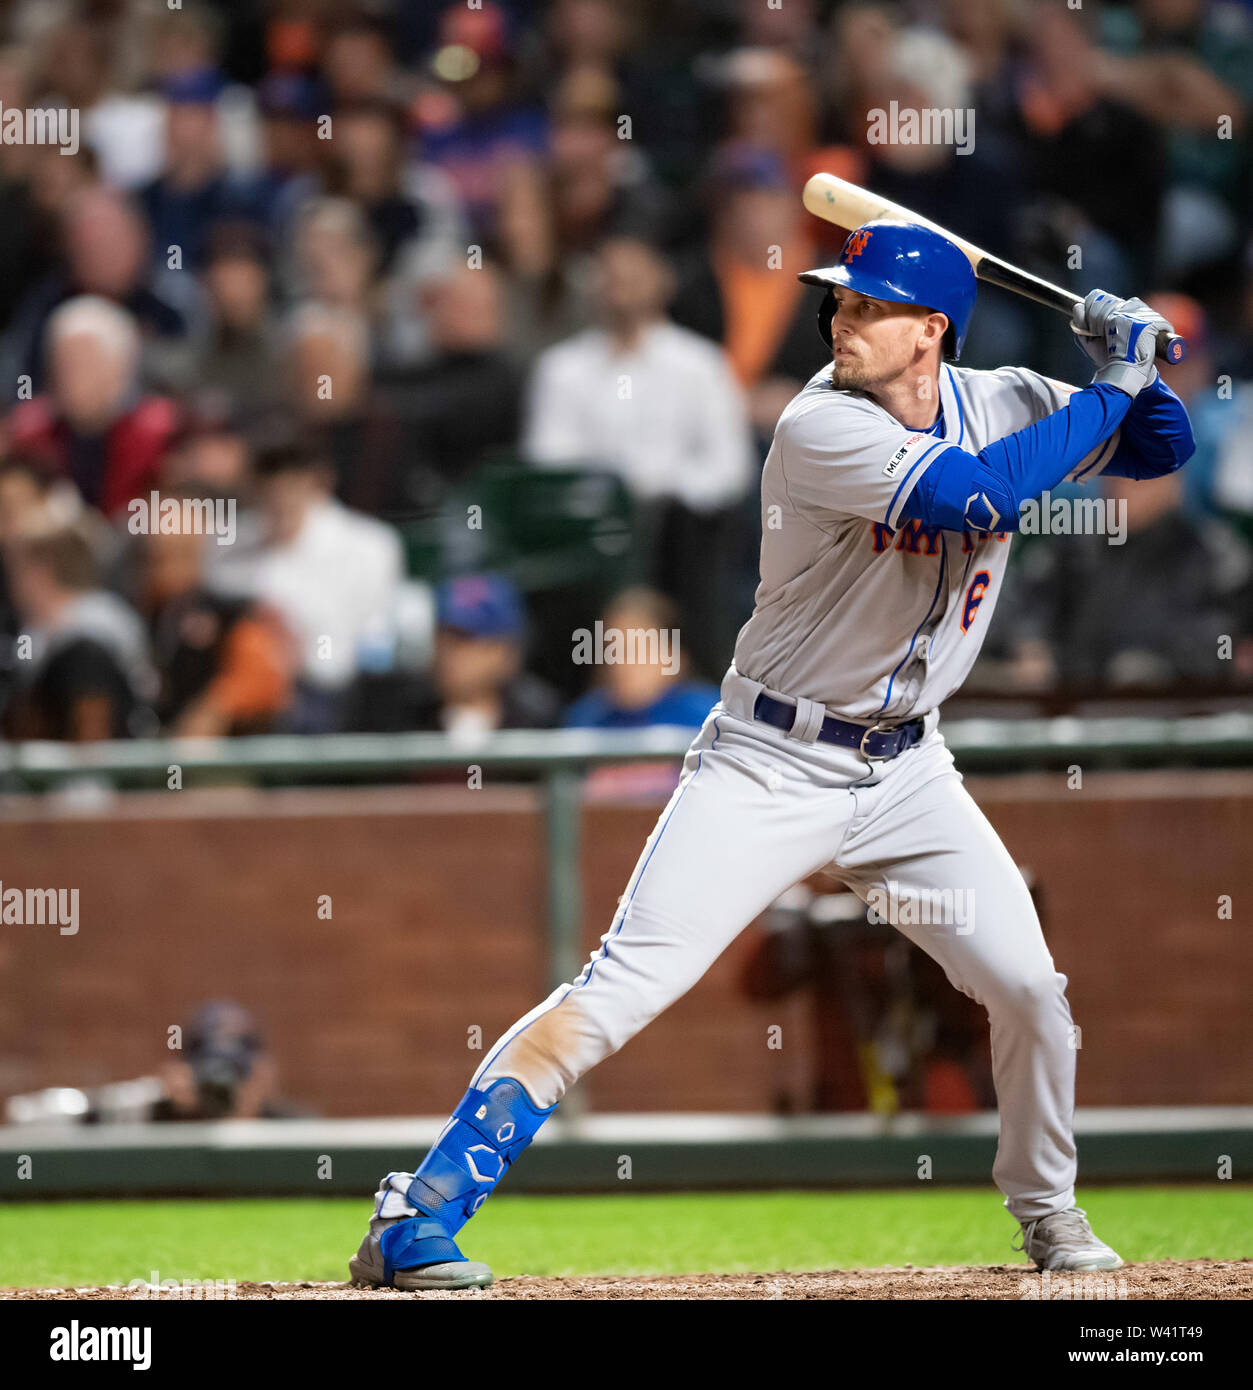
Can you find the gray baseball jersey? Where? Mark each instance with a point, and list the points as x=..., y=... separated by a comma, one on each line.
x=873, y=616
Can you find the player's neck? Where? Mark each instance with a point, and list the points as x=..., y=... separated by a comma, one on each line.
x=913, y=397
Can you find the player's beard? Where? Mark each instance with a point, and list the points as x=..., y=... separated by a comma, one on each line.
x=849, y=374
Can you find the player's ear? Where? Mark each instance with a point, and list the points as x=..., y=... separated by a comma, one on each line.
x=933, y=329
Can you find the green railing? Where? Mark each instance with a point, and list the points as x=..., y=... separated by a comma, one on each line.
x=996, y=745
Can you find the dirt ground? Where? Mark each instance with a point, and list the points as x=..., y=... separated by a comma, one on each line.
x=1186, y=1279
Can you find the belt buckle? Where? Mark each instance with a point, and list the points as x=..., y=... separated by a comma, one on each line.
x=873, y=757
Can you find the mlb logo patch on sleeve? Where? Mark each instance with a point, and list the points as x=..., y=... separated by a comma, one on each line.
x=898, y=457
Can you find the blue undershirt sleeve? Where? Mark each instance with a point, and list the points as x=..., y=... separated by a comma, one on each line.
x=962, y=491
x=1156, y=436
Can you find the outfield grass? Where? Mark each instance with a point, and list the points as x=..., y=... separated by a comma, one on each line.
x=112, y=1242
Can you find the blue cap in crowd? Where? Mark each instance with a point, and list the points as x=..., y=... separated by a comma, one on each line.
x=294, y=95
x=480, y=605
x=740, y=165
x=195, y=87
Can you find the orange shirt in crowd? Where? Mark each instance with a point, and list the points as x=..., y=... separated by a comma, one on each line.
x=758, y=304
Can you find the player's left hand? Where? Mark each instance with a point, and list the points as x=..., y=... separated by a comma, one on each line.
x=1090, y=318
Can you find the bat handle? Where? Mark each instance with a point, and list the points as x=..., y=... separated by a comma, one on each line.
x=1171, y=348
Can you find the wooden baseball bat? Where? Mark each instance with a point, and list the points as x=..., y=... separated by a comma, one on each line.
x=836, y=200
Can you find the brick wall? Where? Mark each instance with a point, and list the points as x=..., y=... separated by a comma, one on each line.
x=437, y=928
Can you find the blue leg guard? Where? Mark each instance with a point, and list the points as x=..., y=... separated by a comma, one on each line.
x=412, y=1244
x=486, y=1133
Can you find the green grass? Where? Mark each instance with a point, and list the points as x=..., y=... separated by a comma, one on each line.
x=112, y=1242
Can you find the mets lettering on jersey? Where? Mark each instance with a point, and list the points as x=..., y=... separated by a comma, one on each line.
x=974, y=597
x=867, y=614
x=918, y=538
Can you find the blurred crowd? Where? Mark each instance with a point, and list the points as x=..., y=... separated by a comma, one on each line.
x=463, y=327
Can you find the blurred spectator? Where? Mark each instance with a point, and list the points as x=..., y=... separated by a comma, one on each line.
x=791, y=28
x=196, y=36
x=194, y=190
x=238, y=363
x=56, y=181
x=176, y=42
x=225, y=1072
x=656, y=404
x=411, y=222
x=331, y=574
x=220, y=1070
x=743, y=292
x=650, y=687
x=466, y=403
x=652, y=690
x=597, y=186
x=1090, y=152
x=358, y=63
x=223, y=663
x=23, y=224
x=680, y=430
x=386, y=212
x=84, y=67
x=330, y=392
x=212, y=453
x=488, y=140
x=94, y=425
x=88, y=674
x=479, y=682
x=334, y=256
x=1187, y=66
x=1144, y=614
x=968, y=74
x=985, y=30
x=653, y=66
x=290, y=105
x=33, y=502
x=34, y=499
x=211, y=458
x=771, y=107
x=587, y=36
x=368, y=166
x=1218, y=479
x=598, y=183
x=105, y=253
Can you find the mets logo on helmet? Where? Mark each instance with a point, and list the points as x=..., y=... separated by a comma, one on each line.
x=856, y=244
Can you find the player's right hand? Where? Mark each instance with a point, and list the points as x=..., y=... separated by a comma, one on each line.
x=1120, y=336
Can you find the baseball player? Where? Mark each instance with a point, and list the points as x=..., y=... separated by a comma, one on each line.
x=889, y=497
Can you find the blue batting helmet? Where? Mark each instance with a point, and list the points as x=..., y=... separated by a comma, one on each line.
x=905, y=263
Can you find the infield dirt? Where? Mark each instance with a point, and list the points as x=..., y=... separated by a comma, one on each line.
x=1162, y=1279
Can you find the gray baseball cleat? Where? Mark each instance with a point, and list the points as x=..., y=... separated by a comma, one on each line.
x=368, y=1265
x=1065, y=1240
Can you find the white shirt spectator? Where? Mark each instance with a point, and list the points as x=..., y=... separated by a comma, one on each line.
x=127, y=135
x=336, y=586
x=668, y=416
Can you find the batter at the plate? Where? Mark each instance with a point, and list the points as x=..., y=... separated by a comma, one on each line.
x=889, y=498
